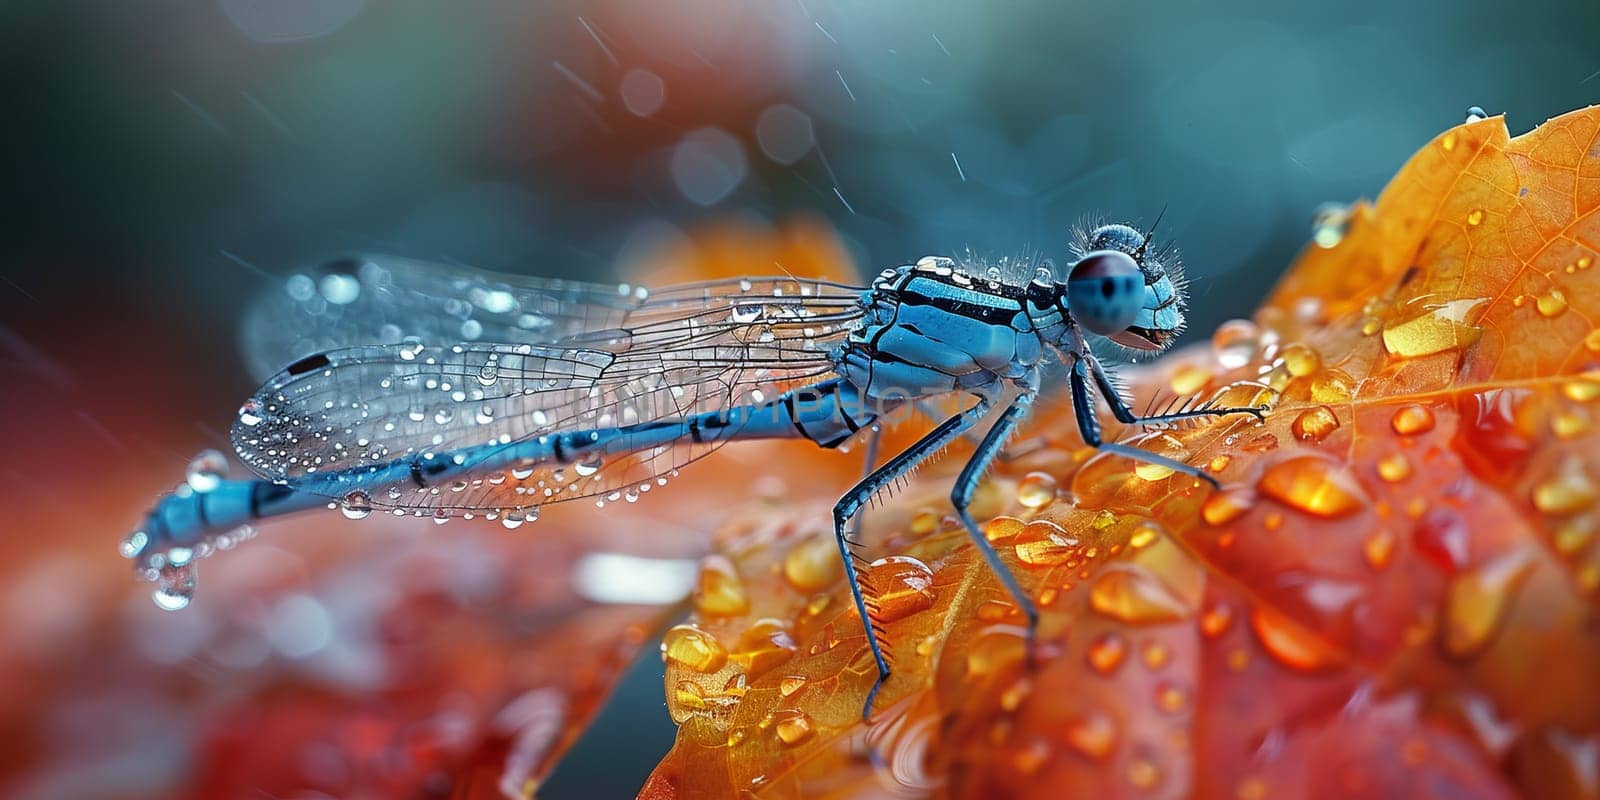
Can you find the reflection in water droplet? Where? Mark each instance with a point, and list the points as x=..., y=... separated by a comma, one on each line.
x=1130, y=593
x=1551, y=304
x=1226, y=506
x=792, y=726
x=1477, y=600
x=1567, y=492
x=175, y=585
x=1107, y=652
x=813, y=564
x=1036, y=490
x=693, y=648
x=1044, y=543
x=1411, y=420
x=1475, y=216
x=1394, y=467
x=1235, y=343
x=1001, y=529
x=1301, y=360
x=356, y=505
x=206, y=471
x=1288, y=642
x=1313, y=485
x=1436, y=328
x=1314, y=425
x=1092, y=734
x=764, y=645
x=900, y=586
x=718, y=591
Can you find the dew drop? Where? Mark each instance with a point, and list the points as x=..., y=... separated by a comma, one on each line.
x=1171, y=699
x=488, y=374
x=789, y=684
x=1226, y=506
x=206, y=471
x=1002, y=529
x=1036, y=490
x=718, y=591
x=1044, y=543
x=1551, y=304
x=1235, y=343
x=356, y=505
x=1378, y=549
x=1301, y=360
x=588, y=466
x=901, y=586
x=1188, y=379
x=133, y=544
x=1216, y=620
x=1411, y=420
x=1436, y=328
x=792, y=726
x=1569, y=491
x=693, y=648
x=175, y=585
x=1130, y=593
x=995, y=649
x=1476, y=601
x=1107, y=652
x=1092, y=734
x=250, y=413
x=1314, y=425
x=812, y=564
x=766, y=644
x=1313, y=485
x=1394, y=467
x=1152, y=472
x=1475, y=217
x=1288, y=642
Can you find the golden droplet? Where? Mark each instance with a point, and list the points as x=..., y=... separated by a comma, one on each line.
x=1031, y=757
x=1189, y=379
x=924, y=522
x=1551, y=304
x=1155, y=655
x=1567, y=492
x=1331, y=386
x=1171, y=699
x=1411, y=420
x=1314, y=425
x=1219, y=463
x=695, y=649
x=1573, y=535
x=995, y=610
x=792, y=726
x=1378, y=548
x=1011, y=699
x=1475, y=216
x=1000, y=529
x=901, y=586
x=789, y=684
x=1476, y=601
x=1143, y=773
x=1288, y=642
x=1105, y=519
x=1394, y=467
x=1584, y=262
x=1226, y=506
x=1301, y=360
x=1152, y=472
x=813, y=564
x=1036, y=490
x=1581, y=390
x=1371, y=325
x=1216, y=620
x=1448, y=142
x=1439, y=328
x=1044, y=543
x=1591, y=341
x=926, y=644
x=1569, y=423
x=1144, y=536
x=1107, y=652
x=1129, y=593
x=996, y=648
x=719, y=592
x=736, y=686
x=763, y=646
x=1093, y=734
x=1313, y=485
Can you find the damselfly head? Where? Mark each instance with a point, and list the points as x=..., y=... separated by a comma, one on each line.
x=1125, y=289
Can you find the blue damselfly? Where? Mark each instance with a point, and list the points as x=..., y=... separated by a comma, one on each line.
x=437, y=391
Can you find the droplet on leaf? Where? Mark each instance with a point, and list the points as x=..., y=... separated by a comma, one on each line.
x=695, y=649
x=901, y=586
x=1476, y=601
x=1131, y=594
x=1313, y=485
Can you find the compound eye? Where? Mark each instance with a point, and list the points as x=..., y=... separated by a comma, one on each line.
x=1105, y=291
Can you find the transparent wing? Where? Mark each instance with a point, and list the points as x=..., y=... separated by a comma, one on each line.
x=356, y=412
x=378, y=299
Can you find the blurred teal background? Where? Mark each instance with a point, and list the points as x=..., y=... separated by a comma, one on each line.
x=169, y=160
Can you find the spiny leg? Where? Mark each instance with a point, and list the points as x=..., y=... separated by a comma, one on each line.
x=1089, y=428
x=967, y=483
x=1125, y=415
x=893, y=469
x=868, y=462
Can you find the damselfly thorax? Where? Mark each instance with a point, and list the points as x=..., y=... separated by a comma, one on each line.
x=435, y=391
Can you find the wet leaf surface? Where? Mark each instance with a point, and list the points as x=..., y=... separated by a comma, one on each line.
x=1394, y=593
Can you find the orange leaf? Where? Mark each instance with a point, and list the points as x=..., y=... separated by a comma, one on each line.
x=1394, y=594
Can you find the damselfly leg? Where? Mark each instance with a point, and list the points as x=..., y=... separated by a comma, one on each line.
x=852, y=501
